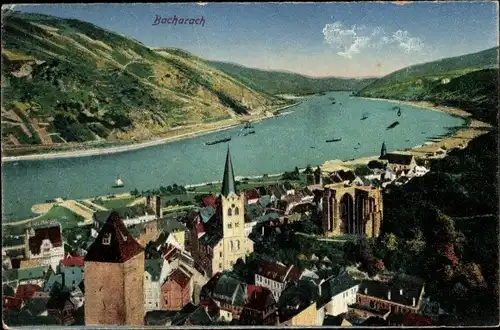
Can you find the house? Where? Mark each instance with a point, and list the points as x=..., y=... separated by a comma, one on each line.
x=27, y=291
x=55, y=281
x=61, y=307
x=176, y=291
x=337, y=292
x=228, y=293
x=176, y=229
x=252, y=196
x=401, y=293
x=159, y=318
x=398, y=161
x=72, y=277
x=419, y=171
x=358, y=313
x=275, y=276
x=45, y=244
x=336, y=321
x=77, y=297
x=36, y=307
x=341, y=176
x=33, y=275
x=297, y=305
x=9, y=277
x=72, y=261
x=12, y=303
x=155, y=272
x=130, y=215
x=260, y=308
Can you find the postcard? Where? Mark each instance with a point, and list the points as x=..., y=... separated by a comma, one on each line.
x=250, y=164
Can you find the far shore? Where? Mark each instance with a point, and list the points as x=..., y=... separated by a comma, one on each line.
x=459, y=139
x=213, y=127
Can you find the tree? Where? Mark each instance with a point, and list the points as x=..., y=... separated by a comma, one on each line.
x=376, y=164
x=362, y=170
x=391, y=242
x=308, y=170
x=310, y=179
x=134, y=192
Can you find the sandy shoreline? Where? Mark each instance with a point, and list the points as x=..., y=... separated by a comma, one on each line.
x=140, y=145
x=460, y=138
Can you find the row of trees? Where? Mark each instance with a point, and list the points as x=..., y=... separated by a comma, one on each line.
x=174, y=189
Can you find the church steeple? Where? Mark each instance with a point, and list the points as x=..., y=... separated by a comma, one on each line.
x=383, y=151
x=228, y=185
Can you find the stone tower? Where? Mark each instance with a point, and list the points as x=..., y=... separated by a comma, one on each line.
x=114, y=270
x=383, y=150
x=235, y=243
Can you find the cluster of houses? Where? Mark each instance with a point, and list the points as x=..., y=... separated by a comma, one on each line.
x=185, y=266
x=285, y=295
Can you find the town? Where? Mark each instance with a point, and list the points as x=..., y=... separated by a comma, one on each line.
x=230, y=260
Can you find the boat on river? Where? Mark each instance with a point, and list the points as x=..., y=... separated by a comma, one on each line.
x=365, y=116
x=394, y=124
x=118, y=183
x=248, y=133
x=209, y=143
x=334, y=140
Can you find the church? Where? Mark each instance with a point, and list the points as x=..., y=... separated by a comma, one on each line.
x=352, y=210
x=223, y=240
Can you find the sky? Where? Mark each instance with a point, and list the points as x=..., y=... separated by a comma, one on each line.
x=315, y=39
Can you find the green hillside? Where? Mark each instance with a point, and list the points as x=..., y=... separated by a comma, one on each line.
x=68, y=80
x=468, y=81
x=276, y=82
x=410, y=82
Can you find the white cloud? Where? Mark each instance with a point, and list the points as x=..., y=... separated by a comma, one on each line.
x=346, y=41
x=406, y=43
x=351, y=41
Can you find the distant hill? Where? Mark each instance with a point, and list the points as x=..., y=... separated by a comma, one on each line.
x=68, y=80
x=277, y=82
x=413, y=82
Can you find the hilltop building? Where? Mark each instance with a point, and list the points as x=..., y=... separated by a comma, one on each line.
x=224, y=240
x=114, y=277
x=350, y=209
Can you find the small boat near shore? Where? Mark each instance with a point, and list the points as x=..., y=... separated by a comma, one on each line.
x=394, y=124
x=248, y=133
x=209, y=143
x=334, y=140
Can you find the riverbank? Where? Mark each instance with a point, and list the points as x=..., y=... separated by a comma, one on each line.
x=194, y=130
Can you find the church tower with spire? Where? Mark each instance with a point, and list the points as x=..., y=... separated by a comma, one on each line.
x=235, y=243
x=383, y=150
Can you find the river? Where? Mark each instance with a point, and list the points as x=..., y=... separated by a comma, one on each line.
x=279, y=144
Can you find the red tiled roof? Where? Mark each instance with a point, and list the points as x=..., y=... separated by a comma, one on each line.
x=12, y=303
x=259, y=298
x=73, y=261
x=252, y=194
x=271, y=270
x=209, y=200
x=51, y=233
x=179, y=277
x=294, y=274
x=27, y=291
x=122, y=245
